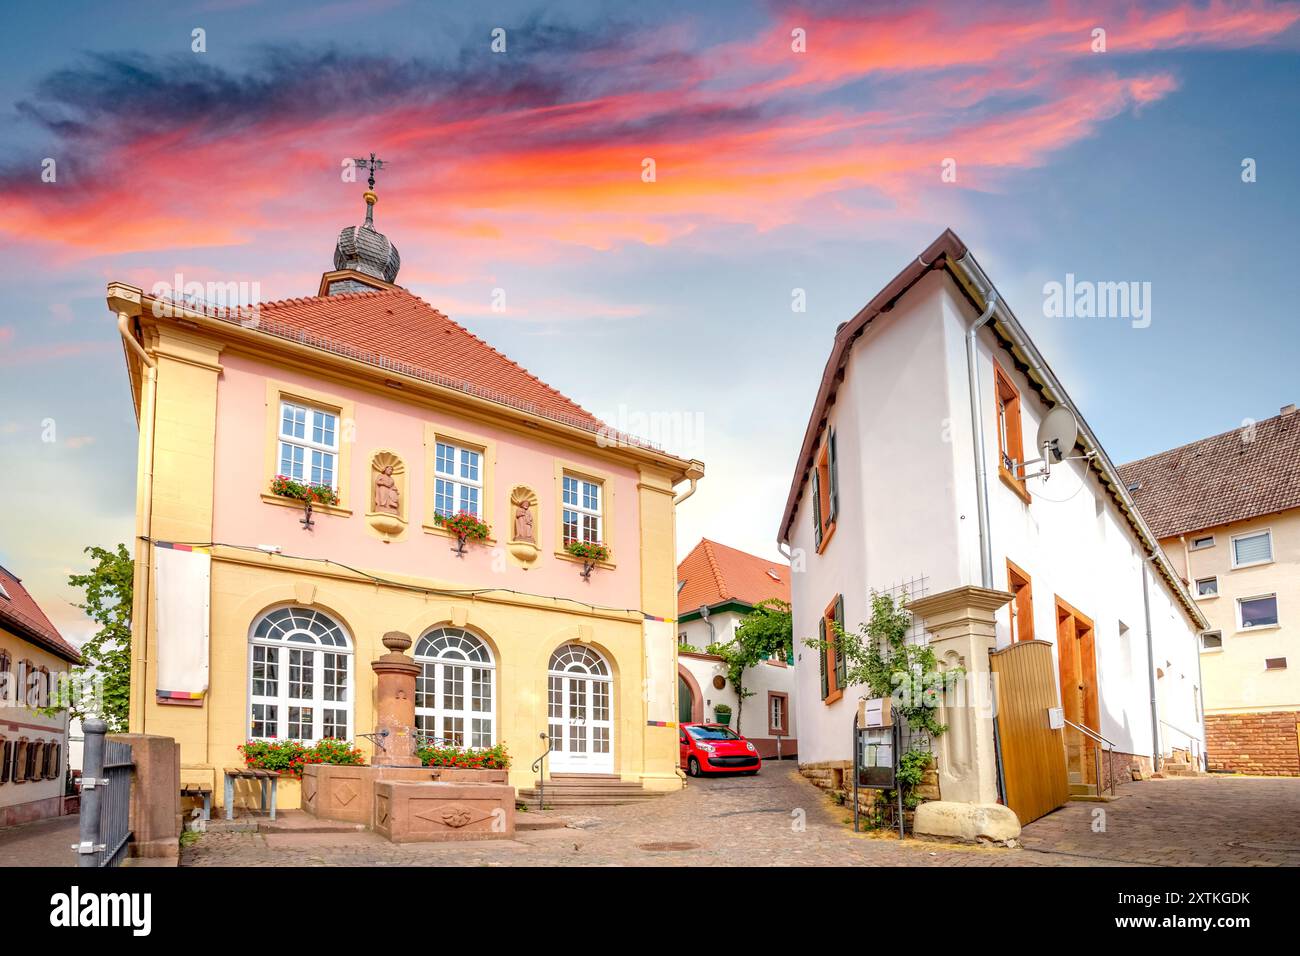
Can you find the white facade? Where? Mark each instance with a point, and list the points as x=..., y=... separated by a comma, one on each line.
x=907, y=509
x=769, y=679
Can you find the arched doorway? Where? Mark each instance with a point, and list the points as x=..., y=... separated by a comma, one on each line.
x=580, y=711
x=690, y=702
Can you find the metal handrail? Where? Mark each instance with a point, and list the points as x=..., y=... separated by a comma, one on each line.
x=538, y=768
x=1098, y=740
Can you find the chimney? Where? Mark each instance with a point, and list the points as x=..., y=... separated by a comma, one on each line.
x=1288, y=409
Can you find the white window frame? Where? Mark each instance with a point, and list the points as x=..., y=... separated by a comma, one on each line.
x=457, y=478
x=1194, y=546
x=1211, y=650
x=1232, y=549
x=307, y=443
x=309, y=631
x=579, y=508
x=456, y=661
x=1241, y=628
x=1196, y=588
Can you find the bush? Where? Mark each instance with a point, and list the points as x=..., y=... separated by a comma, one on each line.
x=490, y=758
x=288, y=757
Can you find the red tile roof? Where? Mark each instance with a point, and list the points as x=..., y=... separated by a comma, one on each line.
x=1240, y=474
x=398, y=328
x=715, y=574
x=22, y=615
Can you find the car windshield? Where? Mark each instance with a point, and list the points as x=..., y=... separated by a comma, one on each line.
x=712, y=733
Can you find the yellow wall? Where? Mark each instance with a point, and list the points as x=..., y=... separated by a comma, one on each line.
x=1235, y=677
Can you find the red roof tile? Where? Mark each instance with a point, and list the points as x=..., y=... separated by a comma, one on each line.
x=1237, y=475
x=399, y=327
x=715, y=574
x=20, y=613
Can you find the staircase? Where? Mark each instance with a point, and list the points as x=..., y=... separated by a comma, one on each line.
x=587, y=790
x=1179, y=766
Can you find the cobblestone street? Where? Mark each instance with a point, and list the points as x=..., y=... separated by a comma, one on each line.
x=755, y=822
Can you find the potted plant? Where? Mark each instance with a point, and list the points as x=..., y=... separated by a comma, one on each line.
x=466, y=526
x=306, y=492
x=722, y=713
x=452, y=764
x=288, y=757
x=592, y=553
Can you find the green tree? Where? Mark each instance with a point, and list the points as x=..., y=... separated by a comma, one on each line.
x=765, y=632
x=108, y=587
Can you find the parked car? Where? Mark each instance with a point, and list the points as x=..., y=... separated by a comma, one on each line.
x=716, y=748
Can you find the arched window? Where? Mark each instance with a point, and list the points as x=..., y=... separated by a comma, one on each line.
x=577, y=659
x=300, y=677
x=455, y=696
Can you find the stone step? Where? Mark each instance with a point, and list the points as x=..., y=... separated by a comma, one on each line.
x=570, y=800
x=1083, y=790
x=609, y=792
x=589, y=780
x=540, y=823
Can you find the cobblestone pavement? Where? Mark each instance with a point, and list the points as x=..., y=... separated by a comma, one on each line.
x=45, y=842
x=1200, y=821
x=752, y=821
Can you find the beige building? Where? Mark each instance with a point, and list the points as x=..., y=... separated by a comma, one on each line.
x=1227, y=511
x=33, y=742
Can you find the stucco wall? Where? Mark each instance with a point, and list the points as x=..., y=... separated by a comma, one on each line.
x=908, y=508
x=32, y=799
x=1236, y=680
x=897, y=518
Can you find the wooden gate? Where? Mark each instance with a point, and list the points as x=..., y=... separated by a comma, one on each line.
x=1033, y=755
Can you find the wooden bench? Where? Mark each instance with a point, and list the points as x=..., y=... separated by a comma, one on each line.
x=204, y=793
x=264, y=777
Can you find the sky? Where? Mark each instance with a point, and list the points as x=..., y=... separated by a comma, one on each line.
x=649, y=189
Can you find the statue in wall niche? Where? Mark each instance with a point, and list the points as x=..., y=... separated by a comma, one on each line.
x=524, y=521
x=386, y=493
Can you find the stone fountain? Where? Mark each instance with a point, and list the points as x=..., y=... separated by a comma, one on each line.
x=393, y=794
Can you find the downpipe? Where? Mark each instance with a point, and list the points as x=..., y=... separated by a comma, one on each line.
x=977, y=431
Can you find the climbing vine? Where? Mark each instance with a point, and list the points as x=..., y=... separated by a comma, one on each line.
x=880, y=657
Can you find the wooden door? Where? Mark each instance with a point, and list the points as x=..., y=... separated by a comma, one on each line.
x=1033, y=758
x=1077, y=659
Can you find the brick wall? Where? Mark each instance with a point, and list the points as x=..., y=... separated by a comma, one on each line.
x=1261, y=743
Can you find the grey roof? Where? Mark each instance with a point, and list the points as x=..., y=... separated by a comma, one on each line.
x=367, y=251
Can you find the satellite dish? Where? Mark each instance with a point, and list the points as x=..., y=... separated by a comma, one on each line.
x=1057, y=434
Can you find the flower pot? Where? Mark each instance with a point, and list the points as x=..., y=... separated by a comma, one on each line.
x=724, y=719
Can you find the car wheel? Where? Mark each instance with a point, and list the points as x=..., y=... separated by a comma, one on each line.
x=693, y=767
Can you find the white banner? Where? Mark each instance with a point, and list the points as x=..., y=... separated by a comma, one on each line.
x=182, y=594
x=660, y=675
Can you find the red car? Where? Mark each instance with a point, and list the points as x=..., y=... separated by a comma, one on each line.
x=716, y=748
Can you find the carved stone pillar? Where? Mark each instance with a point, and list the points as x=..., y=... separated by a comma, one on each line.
x=961, y=627
x=395, y=704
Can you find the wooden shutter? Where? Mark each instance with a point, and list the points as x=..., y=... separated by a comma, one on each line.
x=841, y=666
x=821, y=653
x=817, y=507
x=833, y=470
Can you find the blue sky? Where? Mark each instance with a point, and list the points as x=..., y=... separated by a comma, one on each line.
x=521, y=171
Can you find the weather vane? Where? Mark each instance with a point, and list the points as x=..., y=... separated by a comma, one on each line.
x=371, y=164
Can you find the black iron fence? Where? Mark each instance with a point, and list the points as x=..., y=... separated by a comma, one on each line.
x=105, y=798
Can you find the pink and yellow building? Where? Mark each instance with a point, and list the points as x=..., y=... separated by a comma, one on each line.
x=255, y=618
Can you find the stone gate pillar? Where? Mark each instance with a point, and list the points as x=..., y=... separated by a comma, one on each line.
x=961, y=627
x=395, y=742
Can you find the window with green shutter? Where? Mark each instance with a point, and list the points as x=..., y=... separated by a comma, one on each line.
x=821, y=654
x=841, y=665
